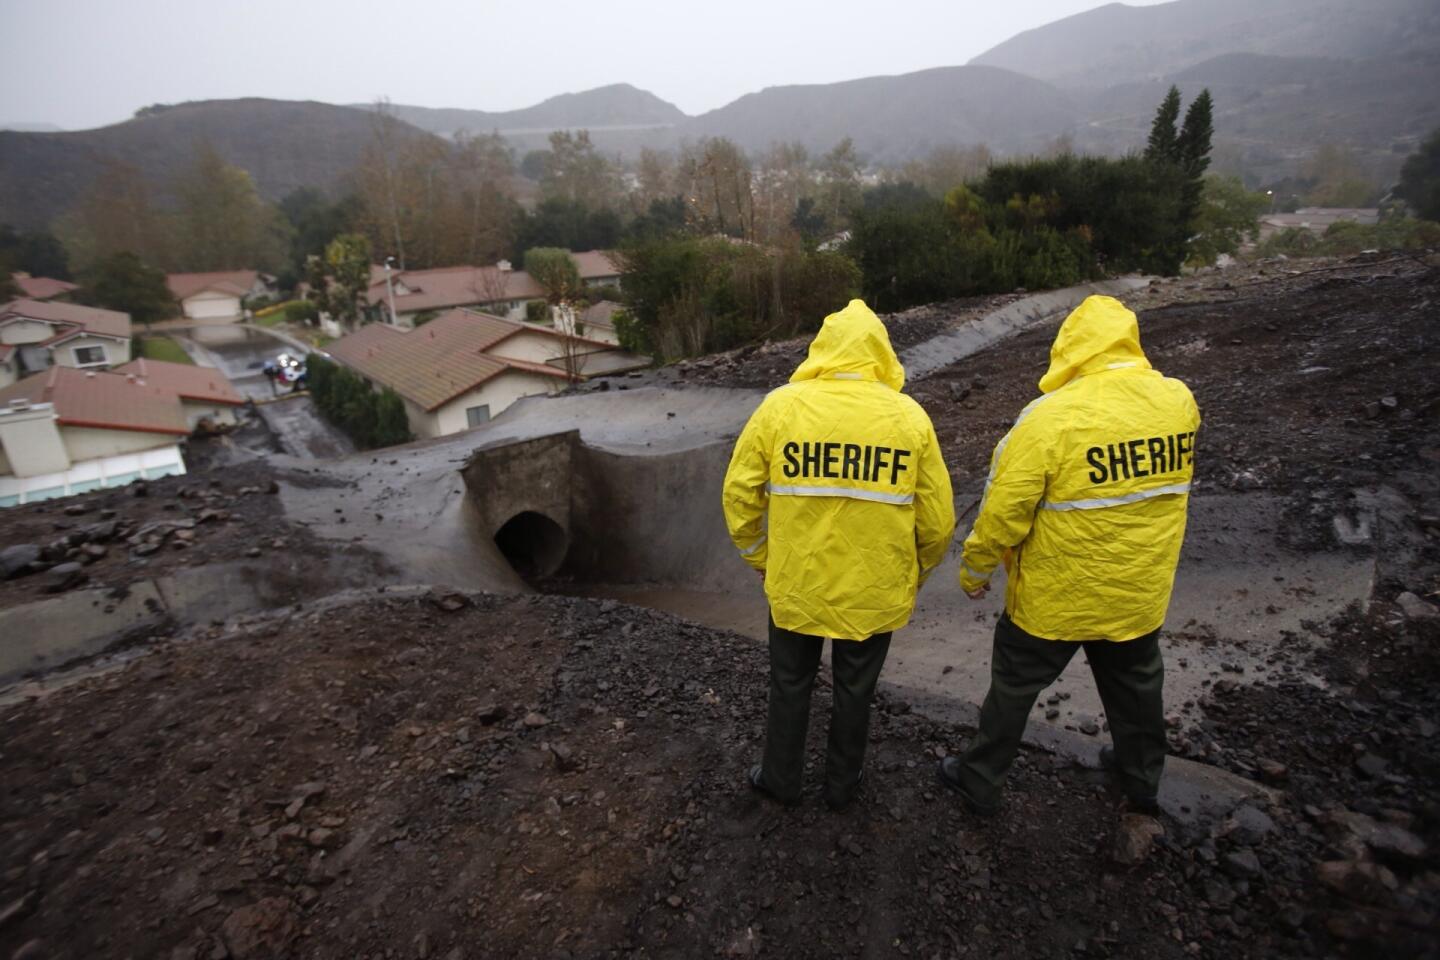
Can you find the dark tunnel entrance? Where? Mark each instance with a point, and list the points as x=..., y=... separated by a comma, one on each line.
x=533, y=544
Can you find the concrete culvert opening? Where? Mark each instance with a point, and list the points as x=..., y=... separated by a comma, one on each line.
x=533, y=544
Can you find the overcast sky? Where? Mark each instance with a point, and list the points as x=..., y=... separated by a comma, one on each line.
x=87, y=63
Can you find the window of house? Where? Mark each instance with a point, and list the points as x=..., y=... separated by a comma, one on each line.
x=89, y=356
x=474, y=416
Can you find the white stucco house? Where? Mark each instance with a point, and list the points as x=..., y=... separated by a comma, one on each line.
x=217, y=297
x=36, y=335
x=67, y=431
x=464, y=367
x=497, y=289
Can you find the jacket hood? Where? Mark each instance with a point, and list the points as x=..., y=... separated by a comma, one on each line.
x=1100, y=334
x=852, y=345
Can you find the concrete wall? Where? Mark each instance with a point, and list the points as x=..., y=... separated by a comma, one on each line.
x=527, y=475
x=653, y=519
x=89, y=443
x=630, y=519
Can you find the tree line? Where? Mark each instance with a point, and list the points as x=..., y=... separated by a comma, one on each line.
x=720, y=246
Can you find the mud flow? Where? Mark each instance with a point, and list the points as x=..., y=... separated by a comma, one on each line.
x=496, y=694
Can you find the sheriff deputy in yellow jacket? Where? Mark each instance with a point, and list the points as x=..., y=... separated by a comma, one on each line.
x=837, y=494
x=1085, y=507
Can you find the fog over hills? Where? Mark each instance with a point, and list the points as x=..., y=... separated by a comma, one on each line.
x=616, y=106
x=1118, y=43
x=284, y=144
x=1287, y=75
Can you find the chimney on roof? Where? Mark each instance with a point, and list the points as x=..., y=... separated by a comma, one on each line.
x=130, y=377
x=503, y=266
x=89, y=374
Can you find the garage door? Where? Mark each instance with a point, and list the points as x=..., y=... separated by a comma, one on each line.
x=212, y=308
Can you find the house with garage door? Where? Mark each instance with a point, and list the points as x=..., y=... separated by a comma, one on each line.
x=67, y=431
x=464, y=367
x=219, y=296
x=38, y=334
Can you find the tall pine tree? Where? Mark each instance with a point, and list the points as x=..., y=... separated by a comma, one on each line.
x=1163, y=142
x=1193, y=146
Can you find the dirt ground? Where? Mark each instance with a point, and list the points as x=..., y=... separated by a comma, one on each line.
x=448, y=776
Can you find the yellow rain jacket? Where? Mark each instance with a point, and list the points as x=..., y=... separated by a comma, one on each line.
x=847, y=471
x=1086, y=498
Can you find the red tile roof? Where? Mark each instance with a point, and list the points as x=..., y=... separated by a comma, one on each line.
x=435, y=363
x=237, y=282
x=109, y=401
x=108, y=323
x=455, y=287
x=187, y=381
x=42, y=288
x=594, y=264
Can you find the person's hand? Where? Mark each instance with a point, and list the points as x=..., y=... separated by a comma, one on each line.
x=762, y=575
x=979, y=592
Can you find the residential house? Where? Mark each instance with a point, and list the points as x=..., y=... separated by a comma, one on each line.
x=206, y=396
x=1316, y=219
x=43, y=288
x=38, y=334
x=217, y=296
x=498, y=289
x=597, y=268
x=464, y=367
x=421, y=294
x=67, y=431
x=597, y=322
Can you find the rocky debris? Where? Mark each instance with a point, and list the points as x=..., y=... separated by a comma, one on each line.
x=17, y=560
x=1135, y=838
x=180, y=522
x=63, y=576
x=266, y=928
x=1415, y=608
x=449, y=601
x=1358, y=880
x=1359, y=834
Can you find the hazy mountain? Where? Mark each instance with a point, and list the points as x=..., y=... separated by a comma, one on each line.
x=1117, y=43
x=618, y=106
x=1272, y=111
x=283, y=144
x=1287, y=75
x=892, y=118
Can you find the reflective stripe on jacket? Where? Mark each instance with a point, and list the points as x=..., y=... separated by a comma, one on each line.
x=836, y=488
x=1086, y=497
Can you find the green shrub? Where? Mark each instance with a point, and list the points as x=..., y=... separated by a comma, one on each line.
x=301, y=311
x=537, y=311
x=371, y=418
x=687, y=296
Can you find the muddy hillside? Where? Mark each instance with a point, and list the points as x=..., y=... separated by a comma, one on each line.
x=367, y=768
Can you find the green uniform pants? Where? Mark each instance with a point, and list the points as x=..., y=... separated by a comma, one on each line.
x=1129, y=676
x=794, y=661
